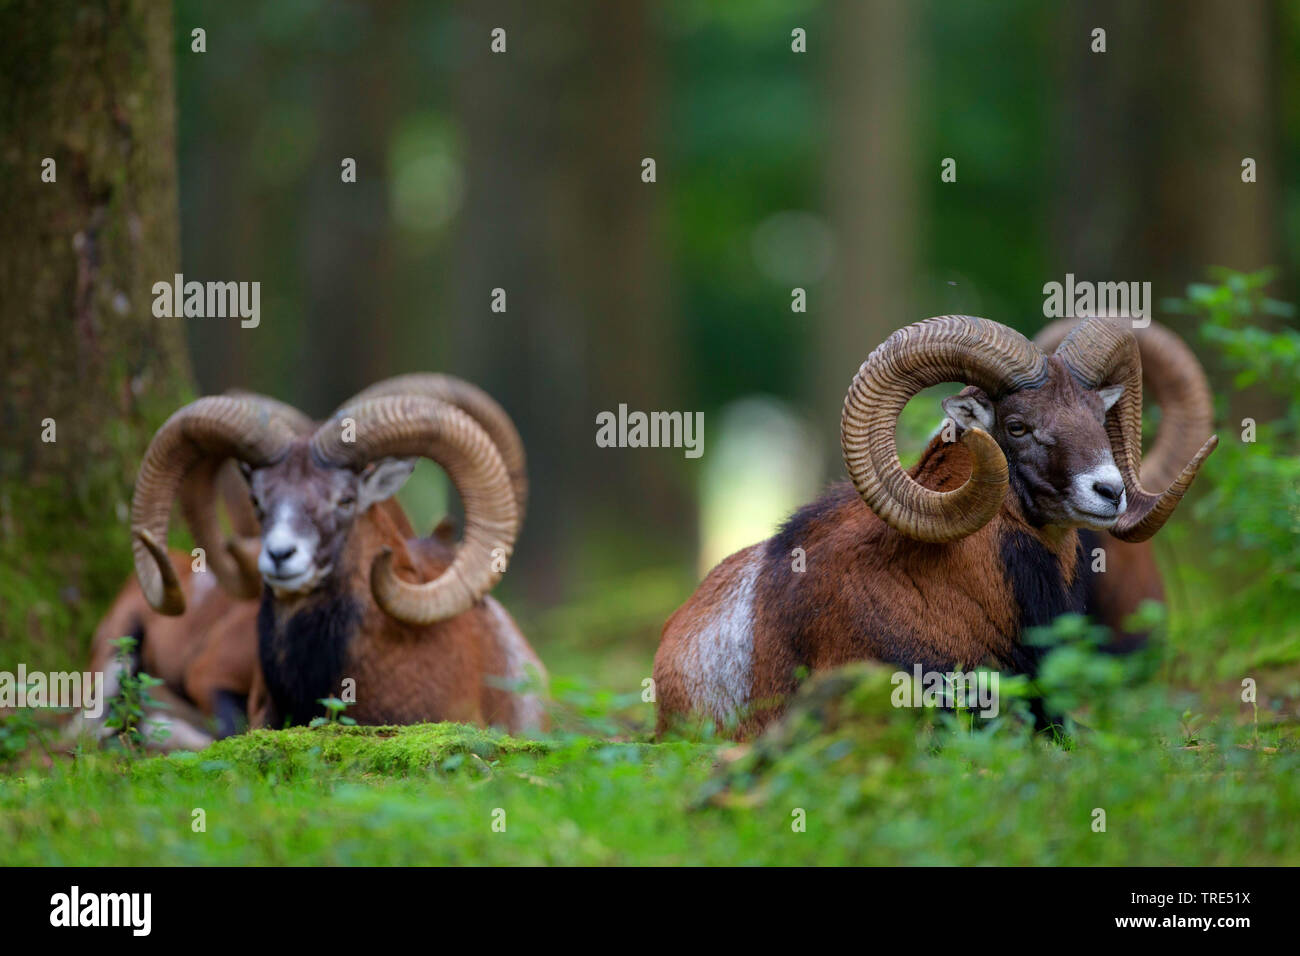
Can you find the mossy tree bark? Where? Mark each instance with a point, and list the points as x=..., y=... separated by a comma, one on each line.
x=89, y=86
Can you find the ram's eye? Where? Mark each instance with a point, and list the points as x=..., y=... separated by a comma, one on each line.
x=347, y=501
x=1017, y=429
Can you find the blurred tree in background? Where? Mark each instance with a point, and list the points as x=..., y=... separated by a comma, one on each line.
x=1152, y=140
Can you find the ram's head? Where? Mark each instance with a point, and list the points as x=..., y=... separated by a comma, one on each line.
x=310, y=484
x=1063, y=433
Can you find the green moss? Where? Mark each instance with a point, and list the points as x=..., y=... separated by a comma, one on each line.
x=391, y=751
x=872, y=790
x=65, y=547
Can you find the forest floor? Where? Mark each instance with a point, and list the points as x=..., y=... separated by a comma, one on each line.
x=1152, y=774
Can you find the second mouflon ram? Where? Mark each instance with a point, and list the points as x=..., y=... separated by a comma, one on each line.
x=1173, y=380
x=351, y=593
x=944, y=565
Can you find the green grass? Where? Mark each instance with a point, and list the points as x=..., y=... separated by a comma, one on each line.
x=1185, y=771
x=876, y=785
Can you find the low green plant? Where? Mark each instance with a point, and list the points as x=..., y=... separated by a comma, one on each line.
x=334, y=713
x=1252, y=505
x=1235, y=566
x=19, y=731
x=133, y=700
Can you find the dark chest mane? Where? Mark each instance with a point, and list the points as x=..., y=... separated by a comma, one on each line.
x=1041, y=591
x=303, y=652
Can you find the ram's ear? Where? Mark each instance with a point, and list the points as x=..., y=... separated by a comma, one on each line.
x=380, y=480
x=1109, y=396
x=970, y=408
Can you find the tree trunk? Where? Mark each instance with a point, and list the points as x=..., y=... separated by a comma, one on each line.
x=556, y=214
x=88, y=85
x=1153, y=136
x=871, y=194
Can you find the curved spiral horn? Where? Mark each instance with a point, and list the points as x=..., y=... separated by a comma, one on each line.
x=950, y=348
x=476, y=403
x=205, y=431
x=406, y=425
x=219, y=479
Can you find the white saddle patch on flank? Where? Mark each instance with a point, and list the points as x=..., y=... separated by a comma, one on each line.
x=720, y=669
x=529, y=709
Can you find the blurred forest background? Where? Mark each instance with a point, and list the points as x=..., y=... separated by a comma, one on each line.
x=521, y=171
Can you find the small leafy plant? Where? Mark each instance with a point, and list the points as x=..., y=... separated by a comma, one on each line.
x=126, y=710
x=1190, y=724
x=334, y=708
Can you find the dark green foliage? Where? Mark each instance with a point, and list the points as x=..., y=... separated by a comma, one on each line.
x=19, y=733
x=1238, y=561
